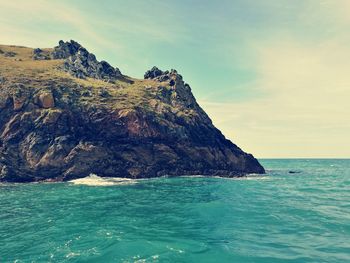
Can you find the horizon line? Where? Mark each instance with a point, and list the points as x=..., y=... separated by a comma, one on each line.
x=305, y=158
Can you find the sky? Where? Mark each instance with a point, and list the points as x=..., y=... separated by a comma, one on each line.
x=273, y=75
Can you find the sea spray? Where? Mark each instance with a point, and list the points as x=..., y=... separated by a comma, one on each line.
x=95, y=180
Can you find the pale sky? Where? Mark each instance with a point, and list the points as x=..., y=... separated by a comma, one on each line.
x=273, y=75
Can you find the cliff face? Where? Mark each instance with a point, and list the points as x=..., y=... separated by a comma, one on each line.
x=64, y=115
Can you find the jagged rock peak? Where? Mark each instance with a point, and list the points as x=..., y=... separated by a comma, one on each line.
x=82, y=64
x=155, y=73
x=65, y=49
x=181, y=96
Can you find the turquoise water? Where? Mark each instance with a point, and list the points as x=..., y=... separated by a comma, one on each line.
x=280, y=217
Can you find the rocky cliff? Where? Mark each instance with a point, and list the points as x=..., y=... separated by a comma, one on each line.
x=65, y=115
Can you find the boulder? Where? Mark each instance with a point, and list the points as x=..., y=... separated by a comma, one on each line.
x=46, y=100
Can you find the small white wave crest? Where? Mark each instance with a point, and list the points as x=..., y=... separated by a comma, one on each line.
x=244, y=177
x=94, y=180
x=255, y=177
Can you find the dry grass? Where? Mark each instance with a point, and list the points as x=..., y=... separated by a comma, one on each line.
x=126, y=93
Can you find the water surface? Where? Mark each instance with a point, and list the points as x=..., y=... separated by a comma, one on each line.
x=281, y=217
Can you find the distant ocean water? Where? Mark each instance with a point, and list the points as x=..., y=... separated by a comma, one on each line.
x=279, y=217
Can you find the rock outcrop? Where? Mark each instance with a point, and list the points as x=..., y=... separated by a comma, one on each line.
x=65, y=49
x=58, y=128
x=10, y=54
x=82, y=64
x=181, y=95
x=39, y=54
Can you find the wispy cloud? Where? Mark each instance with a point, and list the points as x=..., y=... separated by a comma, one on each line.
x=306, y=109
x=48, y=15
x=302, y=73
x=88, y=23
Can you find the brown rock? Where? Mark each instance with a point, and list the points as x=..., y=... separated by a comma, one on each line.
x=46, y=100
x=18, y=102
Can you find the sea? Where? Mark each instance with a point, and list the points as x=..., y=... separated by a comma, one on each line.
x=298, y=212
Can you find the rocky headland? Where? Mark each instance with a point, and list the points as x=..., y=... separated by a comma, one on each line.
x=65, y=115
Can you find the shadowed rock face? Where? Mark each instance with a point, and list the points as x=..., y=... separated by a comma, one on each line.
x=61, y=128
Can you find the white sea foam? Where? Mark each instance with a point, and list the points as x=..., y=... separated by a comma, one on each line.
x=94, y=180
x=255, y=177
x=194, y=176
x=245, y=177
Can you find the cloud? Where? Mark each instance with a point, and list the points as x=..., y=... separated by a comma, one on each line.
x=68, y=16
x=305, y=111
x=49, y=18
x=302, y=75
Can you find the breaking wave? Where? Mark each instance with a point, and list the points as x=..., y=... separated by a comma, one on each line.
x=95, y=180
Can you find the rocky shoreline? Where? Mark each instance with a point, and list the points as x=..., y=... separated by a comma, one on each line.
x=67, y=115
